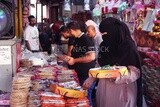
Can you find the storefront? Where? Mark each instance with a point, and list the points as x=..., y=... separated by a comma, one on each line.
x=39, y=79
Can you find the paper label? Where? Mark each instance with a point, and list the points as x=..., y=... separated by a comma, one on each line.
x=5, y=55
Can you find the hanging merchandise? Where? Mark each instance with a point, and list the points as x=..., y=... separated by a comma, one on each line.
x=97, y=14
x=110, y=4
x=101, y=4
x=131, y=2
x=122, y=6
x=67, y=6
x=149, y=20
x=97, y=11
x=139, y=17
x=86, y=5
x=113, y=6
x=156, y=27
x=116, y=5
x=147, y=2
x=157, y=4
x=140, y=20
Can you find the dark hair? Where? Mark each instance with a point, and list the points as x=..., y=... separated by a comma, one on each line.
x=73, y=25
x=83, y=26
x=63, y=29
x=77, y=25
x=30, y=17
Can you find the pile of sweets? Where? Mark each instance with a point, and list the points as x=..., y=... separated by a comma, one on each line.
x=156, y=28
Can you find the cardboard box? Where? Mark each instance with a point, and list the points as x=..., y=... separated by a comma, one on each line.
x=68, y=92
x=103, y=73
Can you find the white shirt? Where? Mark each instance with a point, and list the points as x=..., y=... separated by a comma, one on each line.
x=31, y=35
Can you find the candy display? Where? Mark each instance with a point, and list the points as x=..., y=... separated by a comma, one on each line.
x=50, y=99
x=77, y=102
x=48, y=86
x=151, y=58
x=151, y=78
x=156, y=29
x=44, y=80
x=151, y=75
x=20, y=90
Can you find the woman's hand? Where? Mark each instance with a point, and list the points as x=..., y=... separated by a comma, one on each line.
x=88, y=82
x=133, y=75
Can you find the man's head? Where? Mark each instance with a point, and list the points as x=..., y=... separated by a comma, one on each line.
x=32, y=20
x=74, y=29
x=91, y=31
x=64, y=32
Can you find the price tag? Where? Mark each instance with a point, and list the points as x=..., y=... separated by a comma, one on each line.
x=5, y=55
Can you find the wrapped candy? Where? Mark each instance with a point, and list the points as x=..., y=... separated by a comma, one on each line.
x=86, y=5
x=96, y=11
x=122, y=6
x=67, y=6
x=140, y=19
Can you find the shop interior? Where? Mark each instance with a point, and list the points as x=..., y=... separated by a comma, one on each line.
x=42, y=79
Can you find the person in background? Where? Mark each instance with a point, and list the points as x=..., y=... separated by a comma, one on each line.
x=83, y=53
x=97, y=38
x=56, y=32
x=83, y=26
x=91, y=22
x=65, y=33
x=31, y=35
x=124, y=91
x=91, y=32
x=45, y=39
x=94, y=33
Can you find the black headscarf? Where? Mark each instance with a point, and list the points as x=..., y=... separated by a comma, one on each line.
x=118, y=48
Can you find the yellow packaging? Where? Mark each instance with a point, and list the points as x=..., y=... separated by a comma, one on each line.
x=68, y=92
x=103, y=73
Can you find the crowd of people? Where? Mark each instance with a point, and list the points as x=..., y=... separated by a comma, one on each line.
x=89, y=46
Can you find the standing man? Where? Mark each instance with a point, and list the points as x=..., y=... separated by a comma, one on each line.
x=65, y=33
x=97, y=38
x=31, y=35
x=83, y=53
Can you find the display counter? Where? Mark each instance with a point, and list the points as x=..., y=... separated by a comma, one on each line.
x=143, y=39
x=147, y=46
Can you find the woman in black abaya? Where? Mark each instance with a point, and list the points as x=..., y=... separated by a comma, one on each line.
x=125, y=91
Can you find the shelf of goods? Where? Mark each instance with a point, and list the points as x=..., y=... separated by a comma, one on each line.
x=149, y=48
x=156, y=28
x=151, y=86
x=143, y=39
x=33, y=87
x=151, y=76
x=149, y=39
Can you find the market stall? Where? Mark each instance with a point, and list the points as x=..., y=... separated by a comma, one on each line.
x=41, y=82
x=148, y=45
